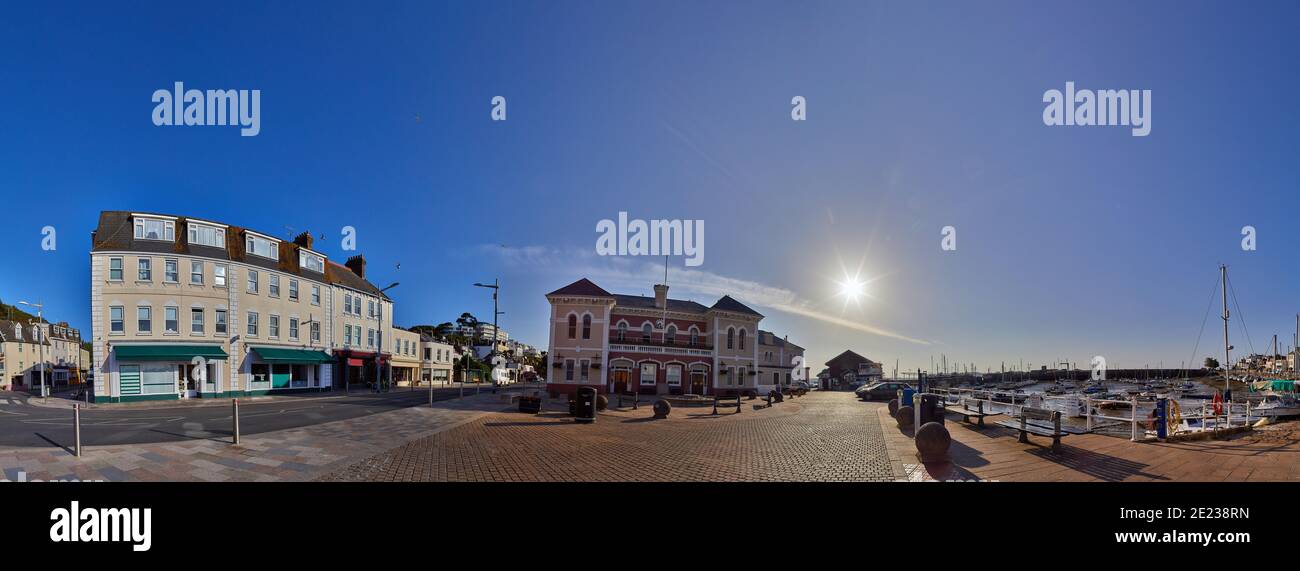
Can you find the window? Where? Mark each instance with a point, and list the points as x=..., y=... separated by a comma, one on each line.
x=206, y=235
x=196, y=272
x=115, y=269
x=695, y=336
x=219, y=323
x=315, y=295
x=274, y=326
x=196, y=320
x=674, y=375
x=742, y=339
x=347, y=335
x=293, y=289
x=116, y=320
x=584, y=366
x=252, y=323
x=293, y=328
x=315, y=331
x=646, y=331
x=370, y=337
x=144, y=319
x=347, y=303
x=310, y=261
x=731, y=376
x=252, y=281
x=263, y=247
x=371, y=309
x=171, y=320
x=622, y=331
x=731, y=338
x=670, y=335
x=219, y=276
x=145, y=269
x=586, y=327
x=171, y=271
x=573, y=326
x=154, y=229
x=274, y=285
x=648, y=372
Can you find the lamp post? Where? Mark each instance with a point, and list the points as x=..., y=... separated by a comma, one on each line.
x=379, y=347
x=495, y=286
x=40, y=335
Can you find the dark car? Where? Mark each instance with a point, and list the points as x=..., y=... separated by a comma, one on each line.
x=884, y=390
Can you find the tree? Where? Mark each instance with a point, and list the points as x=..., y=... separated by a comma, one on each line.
x=1211, y=363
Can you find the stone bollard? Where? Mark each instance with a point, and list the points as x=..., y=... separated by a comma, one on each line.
x=662, y=408
x=932, y=442
x=602, y=402
x=904, y=417
x=893, y=407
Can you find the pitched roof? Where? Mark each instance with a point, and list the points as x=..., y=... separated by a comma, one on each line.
x=849, y=355
x=643, y=302
x=7, y=332
x=583, y=286
x=727, y=303
x=117, y=233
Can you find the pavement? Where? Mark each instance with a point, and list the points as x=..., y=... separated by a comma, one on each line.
x=993, y=453
x=818, y=437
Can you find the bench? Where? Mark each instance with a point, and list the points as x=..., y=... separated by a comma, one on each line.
x=968, y=408
x=718, y=401
x=1040, y=422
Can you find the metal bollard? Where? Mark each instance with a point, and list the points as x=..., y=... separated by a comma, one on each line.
x=234, y=403
x=76, y=421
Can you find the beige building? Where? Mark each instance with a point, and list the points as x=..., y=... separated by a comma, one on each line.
x=780, y=362
x=21, y=356
x=406, y=357
x=438, y=358
x=184, y=308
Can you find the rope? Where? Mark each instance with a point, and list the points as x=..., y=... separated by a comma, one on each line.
x=1204, y=320
x=1241, y=317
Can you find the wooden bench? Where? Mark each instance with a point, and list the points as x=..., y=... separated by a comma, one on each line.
x=1040, y=422
x=718, y=401
x=968, y=408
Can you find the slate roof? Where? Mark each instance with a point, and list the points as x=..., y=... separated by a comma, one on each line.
x=583, y=287
x=728, y=303
x=117, y=233
x=643, y=302
x=7, y=332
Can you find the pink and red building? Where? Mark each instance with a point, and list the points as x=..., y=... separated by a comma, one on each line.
x=651, y=345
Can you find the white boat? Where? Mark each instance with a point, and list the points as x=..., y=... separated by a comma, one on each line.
x=1275, y=405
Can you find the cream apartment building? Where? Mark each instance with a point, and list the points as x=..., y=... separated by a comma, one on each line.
x=406, y=357
x=188, y=308
x=21, y=351
x=438, y=359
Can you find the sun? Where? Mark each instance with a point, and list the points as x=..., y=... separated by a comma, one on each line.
x=853, y=288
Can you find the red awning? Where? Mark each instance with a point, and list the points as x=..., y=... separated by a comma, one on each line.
x=355, y=363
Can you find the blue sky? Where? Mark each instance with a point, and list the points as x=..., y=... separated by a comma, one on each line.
x=1072, y=242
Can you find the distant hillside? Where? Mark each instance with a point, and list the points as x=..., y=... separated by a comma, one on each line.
x=15, y=313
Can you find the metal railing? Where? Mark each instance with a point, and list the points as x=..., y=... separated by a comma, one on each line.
x=1223, y=419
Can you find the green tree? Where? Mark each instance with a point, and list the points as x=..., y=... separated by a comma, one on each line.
x=1211, y=363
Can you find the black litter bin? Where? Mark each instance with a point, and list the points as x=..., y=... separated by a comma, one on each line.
x=584, y=406
x=929, y=408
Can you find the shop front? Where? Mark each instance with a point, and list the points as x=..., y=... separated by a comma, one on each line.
x=165, y=372
x=358, y=370
x=279, y=370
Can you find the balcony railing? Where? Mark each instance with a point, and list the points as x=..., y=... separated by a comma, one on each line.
x=676, y=343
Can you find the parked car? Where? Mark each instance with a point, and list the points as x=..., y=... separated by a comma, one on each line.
x=883, y=390
x=798, y=388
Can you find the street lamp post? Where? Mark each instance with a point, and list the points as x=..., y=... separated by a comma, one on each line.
x=495, y=286
x=379, y=347
x=40, y=335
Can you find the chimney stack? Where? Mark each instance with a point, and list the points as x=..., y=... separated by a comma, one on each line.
x=661, y=296
x=357, y=264
x=303, y=240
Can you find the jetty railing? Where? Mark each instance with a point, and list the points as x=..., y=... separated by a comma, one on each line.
x=1092, y=411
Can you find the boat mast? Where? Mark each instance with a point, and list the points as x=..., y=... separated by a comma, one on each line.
x=1227, y=360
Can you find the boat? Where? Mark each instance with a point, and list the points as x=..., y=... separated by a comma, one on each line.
x=1276, y=405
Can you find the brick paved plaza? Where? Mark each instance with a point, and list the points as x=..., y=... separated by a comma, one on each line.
x=819, y=437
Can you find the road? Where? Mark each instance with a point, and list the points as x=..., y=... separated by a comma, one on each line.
x=29, y=425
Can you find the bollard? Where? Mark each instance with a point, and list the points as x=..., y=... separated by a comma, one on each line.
x=76, y=421
x=1133, y=411
x=235, y=415
x=1087, y=408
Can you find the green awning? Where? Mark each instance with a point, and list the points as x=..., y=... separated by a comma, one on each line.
x=280, y=355
x=169, y=352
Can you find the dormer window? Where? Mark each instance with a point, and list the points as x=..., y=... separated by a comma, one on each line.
x=155, y=229
x=310, y=261
x=262, y=246
x=205, y=235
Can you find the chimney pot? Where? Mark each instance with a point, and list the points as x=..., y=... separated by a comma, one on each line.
x=305, y=240
x=357, y=264
x=661, y=296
